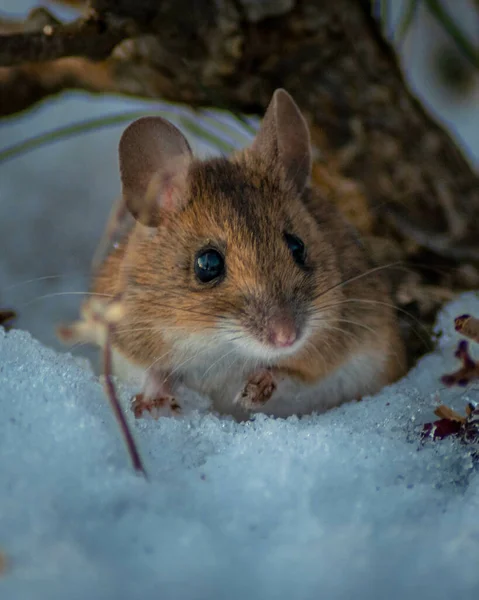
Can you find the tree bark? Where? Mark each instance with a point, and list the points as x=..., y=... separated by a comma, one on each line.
x=394, y=171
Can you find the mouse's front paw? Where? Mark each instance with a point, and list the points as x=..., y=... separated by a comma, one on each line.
x=161, y=406
x=258, y=389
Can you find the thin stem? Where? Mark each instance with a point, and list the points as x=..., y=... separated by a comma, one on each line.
x=115, y=405
x=409, y=14
x=467, y=48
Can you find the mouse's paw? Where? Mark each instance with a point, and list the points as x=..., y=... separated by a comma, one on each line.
x=161, y=406
x=258, y=390
x=156, y=398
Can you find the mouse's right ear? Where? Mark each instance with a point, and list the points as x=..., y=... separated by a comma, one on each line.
x=154, y=161
x=284, y=137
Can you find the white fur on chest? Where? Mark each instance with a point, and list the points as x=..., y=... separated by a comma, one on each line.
x=221, y=377
x=355, y=378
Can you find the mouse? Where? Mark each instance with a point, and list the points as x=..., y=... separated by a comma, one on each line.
x=239, y=281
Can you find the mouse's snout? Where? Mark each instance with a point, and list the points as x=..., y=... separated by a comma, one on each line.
x=282, y=331
x=276, y=330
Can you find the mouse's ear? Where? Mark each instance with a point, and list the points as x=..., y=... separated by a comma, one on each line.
x=284, y=136
x=154, y=161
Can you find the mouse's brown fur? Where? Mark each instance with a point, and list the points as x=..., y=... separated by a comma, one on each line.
x=242, y=206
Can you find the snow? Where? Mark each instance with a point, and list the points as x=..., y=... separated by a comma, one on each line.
x=346, y=504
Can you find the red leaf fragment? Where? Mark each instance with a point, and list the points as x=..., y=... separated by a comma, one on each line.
x=443, y=428
x=469, y=370
x=450, y=422
x=471, y=433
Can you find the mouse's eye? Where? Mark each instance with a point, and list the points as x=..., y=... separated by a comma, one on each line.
x=296, y=247
x=209, y=265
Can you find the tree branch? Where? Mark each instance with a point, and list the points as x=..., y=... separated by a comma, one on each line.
x=92, y=38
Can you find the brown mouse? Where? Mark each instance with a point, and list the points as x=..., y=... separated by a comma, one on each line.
x=238, y=280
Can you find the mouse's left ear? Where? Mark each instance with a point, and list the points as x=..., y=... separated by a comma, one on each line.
x=284, y=136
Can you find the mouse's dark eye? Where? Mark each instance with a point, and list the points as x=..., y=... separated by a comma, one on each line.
x=209, y=265
x=296, y=247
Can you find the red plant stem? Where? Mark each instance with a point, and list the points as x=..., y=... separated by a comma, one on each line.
x=115, y=405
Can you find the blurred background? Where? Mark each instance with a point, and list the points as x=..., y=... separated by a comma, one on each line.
x=55, y=198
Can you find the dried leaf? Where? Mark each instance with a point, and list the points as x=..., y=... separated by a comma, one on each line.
x=468, y=326
x=96, y=314
x=3, y=563
x=450, y=422
x=98, y=318
x=467, y=373
x=438, y=430
x=444, y=412
x=6, y=318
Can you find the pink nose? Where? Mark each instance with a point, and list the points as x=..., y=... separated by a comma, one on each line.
x=282, y=332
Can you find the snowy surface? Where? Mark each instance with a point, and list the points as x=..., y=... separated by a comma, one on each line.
x=343, y=505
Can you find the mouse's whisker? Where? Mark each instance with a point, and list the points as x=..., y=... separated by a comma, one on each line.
x=234, y=360
x=56, y=294
x=313, y=351
x=152, y=329
x=424, y=339
x=349, y=321
x=157, y=360
x=221, y=302
x=189, y=309
x=34, y=280
x=327, y=326
x=397, y=264
x=358, y=339
x=188, y=360
x=216, y=362
x=79, y=345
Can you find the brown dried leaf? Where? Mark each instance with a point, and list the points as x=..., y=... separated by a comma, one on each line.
x=444, y=412
x=6, y=318
x=468, y=326
x=96, y=314
x=3, y=563
x=452, y=423
x=467, y=373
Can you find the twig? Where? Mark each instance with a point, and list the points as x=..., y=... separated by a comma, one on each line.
x=3, y=563
x=98, y=317
x=115, y=405
x=6, y=317
x=92, y=38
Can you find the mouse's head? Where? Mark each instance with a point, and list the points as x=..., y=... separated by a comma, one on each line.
x=230, y=256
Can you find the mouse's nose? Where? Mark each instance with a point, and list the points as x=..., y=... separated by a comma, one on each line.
x=282, y=331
